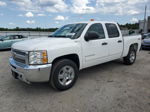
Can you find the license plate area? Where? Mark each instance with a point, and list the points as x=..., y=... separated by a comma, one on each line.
x=15, y=75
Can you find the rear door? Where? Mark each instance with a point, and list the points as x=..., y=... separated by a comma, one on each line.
x=95, y=51
x=115, y=42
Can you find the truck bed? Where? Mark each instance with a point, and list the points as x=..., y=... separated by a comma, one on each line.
x=128, y=40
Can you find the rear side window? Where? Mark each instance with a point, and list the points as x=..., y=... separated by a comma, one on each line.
x=97, y=28
x=112, y=30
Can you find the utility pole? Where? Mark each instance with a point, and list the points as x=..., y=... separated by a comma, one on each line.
x=144, y=19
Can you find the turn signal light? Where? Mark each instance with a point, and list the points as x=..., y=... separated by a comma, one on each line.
x=91, y=19
x=44, y=55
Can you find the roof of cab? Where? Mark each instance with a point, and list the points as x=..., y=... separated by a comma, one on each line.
x=96, y=22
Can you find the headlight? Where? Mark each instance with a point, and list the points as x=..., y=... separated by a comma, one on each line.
x=38, y=57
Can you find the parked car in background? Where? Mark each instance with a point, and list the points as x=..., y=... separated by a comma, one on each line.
x=146, y=41
x=7, y=41
x=145, y=35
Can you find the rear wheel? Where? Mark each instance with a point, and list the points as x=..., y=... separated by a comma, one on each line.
x=131, y=57
x=64, y=74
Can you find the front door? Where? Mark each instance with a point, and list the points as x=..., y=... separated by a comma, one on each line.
x=95, y=51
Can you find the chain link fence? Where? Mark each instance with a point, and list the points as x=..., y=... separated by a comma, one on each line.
x=36, y=34
x=29, y=34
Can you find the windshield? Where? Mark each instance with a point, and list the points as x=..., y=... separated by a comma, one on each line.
x=69, y=31
x=147, y=37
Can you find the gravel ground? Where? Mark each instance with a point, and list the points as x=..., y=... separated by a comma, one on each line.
x=110, y=87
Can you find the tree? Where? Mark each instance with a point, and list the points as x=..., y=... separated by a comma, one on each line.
x=130, y=26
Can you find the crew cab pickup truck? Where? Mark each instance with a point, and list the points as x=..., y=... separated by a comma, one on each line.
x=58, y=58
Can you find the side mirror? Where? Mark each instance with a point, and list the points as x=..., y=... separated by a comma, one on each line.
x=91, y=36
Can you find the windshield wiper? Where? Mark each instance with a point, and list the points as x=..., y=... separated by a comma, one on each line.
x=50, y=36
x=63, y=36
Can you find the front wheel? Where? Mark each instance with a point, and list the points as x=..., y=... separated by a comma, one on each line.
x=131, y=57
x=64, y=74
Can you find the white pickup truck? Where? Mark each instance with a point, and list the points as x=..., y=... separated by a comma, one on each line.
x=58, y=58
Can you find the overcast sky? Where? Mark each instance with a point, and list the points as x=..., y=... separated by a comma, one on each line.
x=55, y=13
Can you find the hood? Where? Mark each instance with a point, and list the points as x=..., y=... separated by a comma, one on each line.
x=41, y=43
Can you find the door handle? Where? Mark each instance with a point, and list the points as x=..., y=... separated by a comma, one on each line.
x=119, y=41
x=105, y=43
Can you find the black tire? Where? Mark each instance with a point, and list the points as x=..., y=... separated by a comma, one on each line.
x=142, y=48
x=56, y=69
x=127, y=59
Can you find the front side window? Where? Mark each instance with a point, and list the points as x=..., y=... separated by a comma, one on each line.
x=112, y=30
x=98, y=29
x=69, y=31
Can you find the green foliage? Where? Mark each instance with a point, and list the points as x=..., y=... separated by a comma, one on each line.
x=29, y=29
x=127, y=26
x=130, y=26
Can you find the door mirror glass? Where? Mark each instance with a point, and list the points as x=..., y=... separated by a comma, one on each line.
x=91, y=36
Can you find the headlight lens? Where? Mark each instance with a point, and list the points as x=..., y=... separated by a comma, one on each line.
x=38, y=57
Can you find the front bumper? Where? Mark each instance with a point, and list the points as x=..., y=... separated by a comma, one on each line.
x=29, y=73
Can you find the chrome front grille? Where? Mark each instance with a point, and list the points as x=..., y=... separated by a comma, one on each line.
x=19, y=56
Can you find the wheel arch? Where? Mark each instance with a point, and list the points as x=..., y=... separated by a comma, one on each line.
x=73, y=57
x=134, y=46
